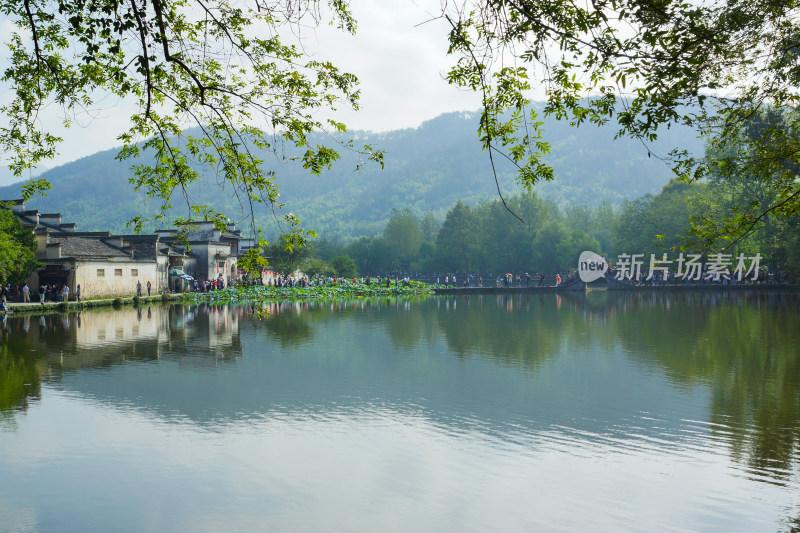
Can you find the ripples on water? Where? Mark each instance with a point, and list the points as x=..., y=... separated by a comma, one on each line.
x=598, y=412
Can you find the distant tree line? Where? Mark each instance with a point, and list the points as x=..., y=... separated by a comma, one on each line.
x=480, y=238
x=487, y=238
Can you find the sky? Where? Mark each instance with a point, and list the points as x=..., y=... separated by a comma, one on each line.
x=399, y=58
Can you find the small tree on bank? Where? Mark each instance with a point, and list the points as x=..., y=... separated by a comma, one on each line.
x=17, y=249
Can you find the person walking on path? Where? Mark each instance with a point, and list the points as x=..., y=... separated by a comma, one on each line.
x=26, y=294
x=148, y=288
x=66, y=293
x=78, y=293
x=41, y=294
x=138, y=288
x=558, y=279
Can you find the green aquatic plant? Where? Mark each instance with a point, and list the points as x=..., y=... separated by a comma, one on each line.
x=257, y=293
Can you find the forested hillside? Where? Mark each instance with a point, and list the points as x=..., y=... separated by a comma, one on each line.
x=427, y=169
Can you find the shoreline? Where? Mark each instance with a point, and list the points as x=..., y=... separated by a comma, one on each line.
x=18, y=308
x=632, y=288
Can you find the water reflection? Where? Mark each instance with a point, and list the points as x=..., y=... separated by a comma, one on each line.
x=20, y=383
x=594, y=377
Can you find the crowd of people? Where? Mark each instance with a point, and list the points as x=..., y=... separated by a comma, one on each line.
x=507, y=280
x=764, y=276
x=45, y=293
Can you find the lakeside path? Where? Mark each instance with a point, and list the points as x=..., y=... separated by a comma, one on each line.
x=505, y=290
x=16, y=308
x=602, y=287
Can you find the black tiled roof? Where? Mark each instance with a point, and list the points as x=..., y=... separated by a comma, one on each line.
x=85, y=247
x=144, y=248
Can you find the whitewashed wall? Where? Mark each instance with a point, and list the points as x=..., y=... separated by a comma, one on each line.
x=111, y=284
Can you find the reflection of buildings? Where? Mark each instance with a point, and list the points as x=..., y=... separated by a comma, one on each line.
x=101, y=330
x=99, y=339
x=78, y=350
x=203, y=335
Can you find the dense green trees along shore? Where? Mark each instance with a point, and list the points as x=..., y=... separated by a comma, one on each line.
x=487, y=237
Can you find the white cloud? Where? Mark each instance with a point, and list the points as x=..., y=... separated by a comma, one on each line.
x=401, y=65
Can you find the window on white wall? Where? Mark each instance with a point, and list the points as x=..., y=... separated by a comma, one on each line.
x=101, y=272
x=134, y=272
x=117, y=271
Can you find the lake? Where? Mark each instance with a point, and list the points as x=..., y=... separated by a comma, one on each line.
x=597, y=412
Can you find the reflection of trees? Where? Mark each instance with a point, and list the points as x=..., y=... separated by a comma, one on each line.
x=745, y=347
x=665, y=325
x=755, y=373
x=292, y=323
x=407, y=321
x=19, y=378
x=513, y=329
x=287, y=324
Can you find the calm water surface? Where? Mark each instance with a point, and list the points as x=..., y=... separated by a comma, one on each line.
x=601, y=412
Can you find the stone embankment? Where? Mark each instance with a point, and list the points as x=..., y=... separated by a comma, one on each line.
x=17, y=308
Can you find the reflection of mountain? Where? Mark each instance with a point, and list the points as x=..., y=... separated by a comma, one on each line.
x=633, y=369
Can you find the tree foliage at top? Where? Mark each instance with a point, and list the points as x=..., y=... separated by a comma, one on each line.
x=754, y=174
x=652, y=65
x=223, y=65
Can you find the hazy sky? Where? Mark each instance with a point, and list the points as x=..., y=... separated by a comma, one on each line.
x=400, y=64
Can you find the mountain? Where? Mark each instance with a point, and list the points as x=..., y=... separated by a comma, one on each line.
x=428, y=168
